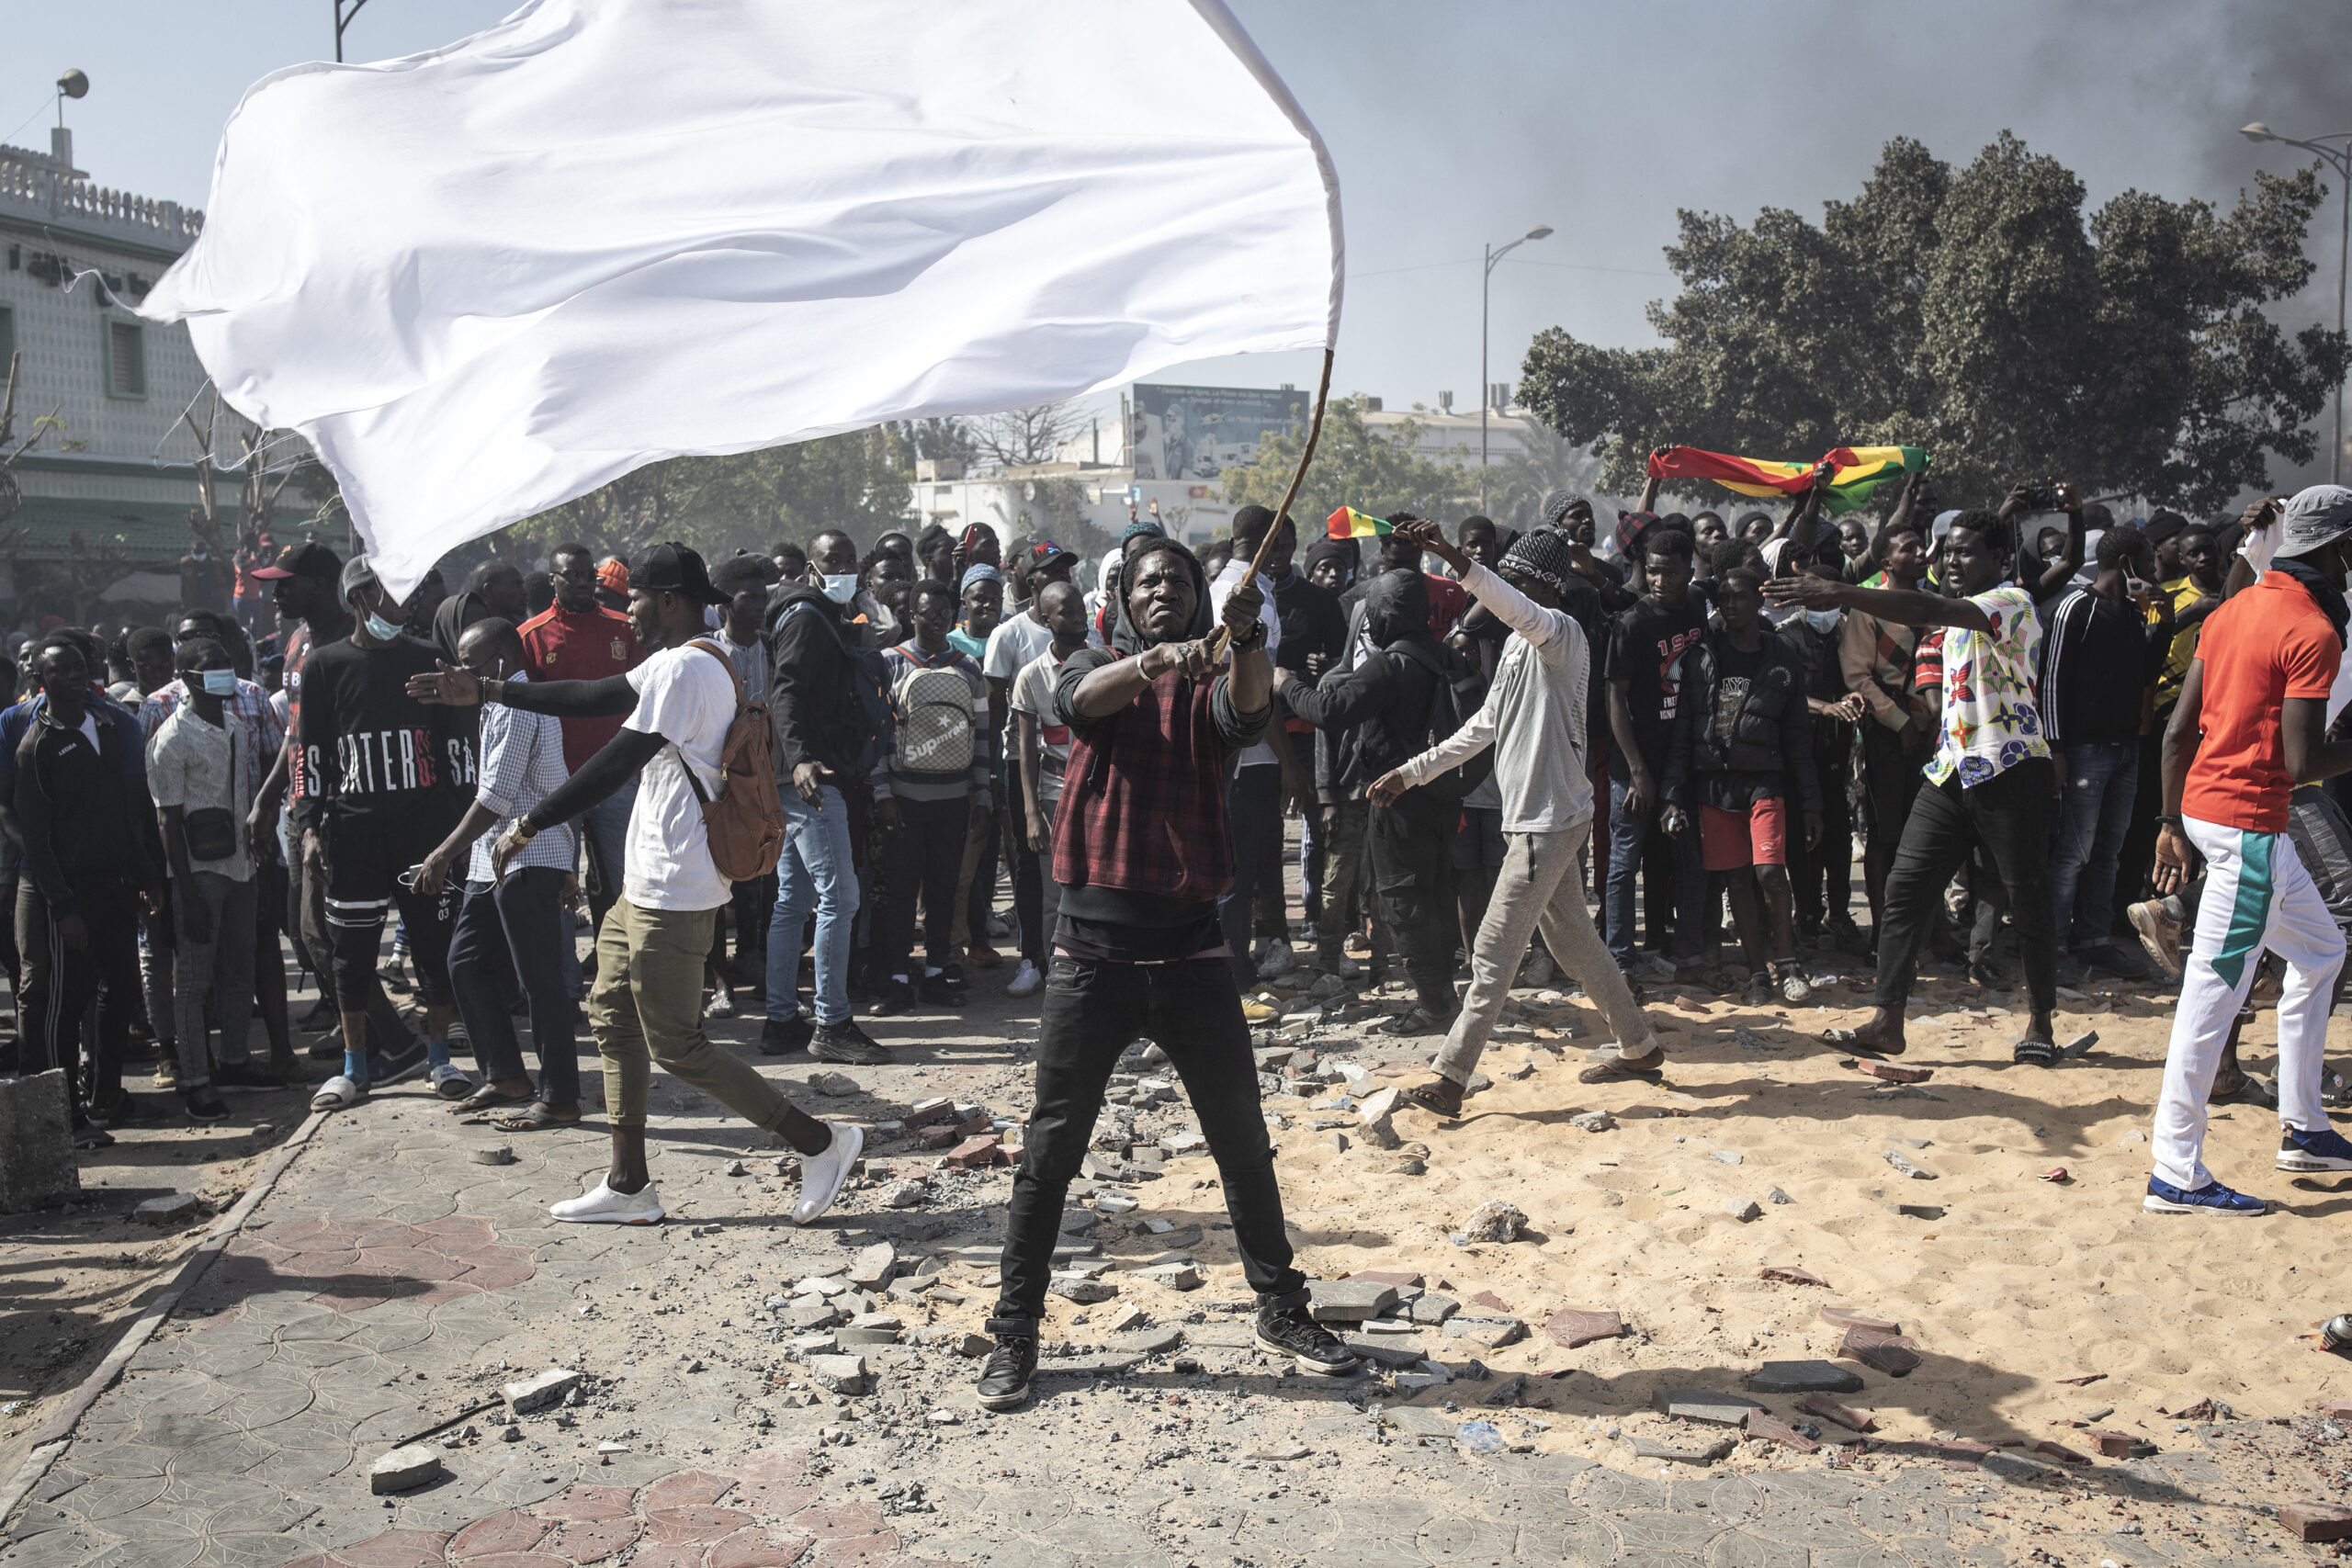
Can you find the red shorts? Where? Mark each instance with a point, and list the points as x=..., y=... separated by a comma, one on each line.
x=1758, y=836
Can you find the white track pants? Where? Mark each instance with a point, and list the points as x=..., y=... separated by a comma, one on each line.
x=2258, y=898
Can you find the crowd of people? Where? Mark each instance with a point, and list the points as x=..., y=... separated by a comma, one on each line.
x=1513, y=755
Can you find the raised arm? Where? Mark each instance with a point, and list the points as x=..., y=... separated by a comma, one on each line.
x=1902, y=606
x=611, y=697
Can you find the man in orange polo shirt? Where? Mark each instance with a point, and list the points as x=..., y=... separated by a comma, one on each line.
x=2251, y=725
x=578, y=639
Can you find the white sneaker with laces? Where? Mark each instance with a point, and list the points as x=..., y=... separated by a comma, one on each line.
x=600, y=1205
x=821, y=1175
x=1025, y=981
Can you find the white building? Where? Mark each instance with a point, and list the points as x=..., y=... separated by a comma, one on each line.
x=114, y=470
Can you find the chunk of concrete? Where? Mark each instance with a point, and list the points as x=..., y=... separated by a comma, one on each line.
x=539, y=1391
x=1491, y=1332
x=872, y=1267
x=1804, y=1377
x=403, y=1469
x=177, y=1209
x=1175, y=1276
x=1650, y=1448
x=841, y=1374
x=1349, y=1301
x=869, y=1328
x=1703, y=1404
x=36, y=1144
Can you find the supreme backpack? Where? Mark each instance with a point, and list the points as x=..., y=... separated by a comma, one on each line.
x=933, y=707
x=745, y=821
x=1456, y=697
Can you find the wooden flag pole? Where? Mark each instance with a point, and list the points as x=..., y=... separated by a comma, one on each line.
x=1298, y=475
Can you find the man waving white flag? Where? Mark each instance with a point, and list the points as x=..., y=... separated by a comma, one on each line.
x=489, y=278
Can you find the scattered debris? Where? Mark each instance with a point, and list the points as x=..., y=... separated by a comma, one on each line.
x=1495, y=1220
x=403, y=1469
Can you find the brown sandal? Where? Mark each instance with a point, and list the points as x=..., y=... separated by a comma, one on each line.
x=536, y=1117
x=1440, y=1097
x=1649, y=1068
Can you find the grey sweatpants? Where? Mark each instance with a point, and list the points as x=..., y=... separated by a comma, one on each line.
x=1538, y=888
x=222, y=966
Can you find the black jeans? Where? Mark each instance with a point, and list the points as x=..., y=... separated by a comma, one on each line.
x=1253, y=800
x=525, y=920
x=58, y=985
x=923, y=858
x=1412, y=884
x=1091, y=1011
x=1891, y=782
x=1823, y=875
x=2009, y=815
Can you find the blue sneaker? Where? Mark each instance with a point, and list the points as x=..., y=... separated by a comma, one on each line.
x=2311, y=1152
x=2212, y=1197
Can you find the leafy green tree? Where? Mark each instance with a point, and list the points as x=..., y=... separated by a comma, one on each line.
x=1355, y=466
x=1977, y=313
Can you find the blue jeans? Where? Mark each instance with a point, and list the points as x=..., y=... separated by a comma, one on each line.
x=2093, y=816
x=1627, y=833
x=815, y=868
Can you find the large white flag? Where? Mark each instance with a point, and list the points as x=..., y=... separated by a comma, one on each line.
x=489, y=278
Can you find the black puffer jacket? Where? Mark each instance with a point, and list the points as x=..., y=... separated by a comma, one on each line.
x=1772, y=733
x=1379, y=711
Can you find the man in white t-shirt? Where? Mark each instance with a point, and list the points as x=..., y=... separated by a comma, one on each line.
x=651, y=946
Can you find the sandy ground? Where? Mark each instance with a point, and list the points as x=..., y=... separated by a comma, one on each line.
x=2015, y=1284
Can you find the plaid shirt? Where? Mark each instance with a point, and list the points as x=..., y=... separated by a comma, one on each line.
x=522, y=764
x=1143, y=800
x=251, y=707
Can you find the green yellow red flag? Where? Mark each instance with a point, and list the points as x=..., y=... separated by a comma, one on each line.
x=1348, y=523
x=1858, y=472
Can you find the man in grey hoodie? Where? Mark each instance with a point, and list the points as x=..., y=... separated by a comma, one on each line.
x=1537, y=719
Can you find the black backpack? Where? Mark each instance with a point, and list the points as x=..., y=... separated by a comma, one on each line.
x=1457, y=693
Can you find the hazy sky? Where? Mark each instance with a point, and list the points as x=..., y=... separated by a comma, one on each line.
x=1453, y=124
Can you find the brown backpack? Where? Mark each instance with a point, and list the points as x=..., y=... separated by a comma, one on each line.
x=745, y=824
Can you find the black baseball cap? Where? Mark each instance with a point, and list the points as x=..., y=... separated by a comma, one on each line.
x=673, y=568
x=304, y=560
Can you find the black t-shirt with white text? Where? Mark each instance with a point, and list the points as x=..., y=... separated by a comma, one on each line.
x=375, y=756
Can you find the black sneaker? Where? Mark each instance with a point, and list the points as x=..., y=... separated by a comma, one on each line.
x=786, y=1036
x=387, y=1067
x=322, y=1015
x=1420, y=1021
x=951, y=972
x=897, y=996
x=245, y=1075
x=1004, y=1382
x=88, y=1134
x=124, y=1109
x=846, y=1042
x=1285, y=1329
x=942, y=991
x=204, y=1105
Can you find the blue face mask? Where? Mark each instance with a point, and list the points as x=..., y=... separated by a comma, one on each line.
x=1824, y=620
x=379, y=628
x=840, y=587
x=219, y=682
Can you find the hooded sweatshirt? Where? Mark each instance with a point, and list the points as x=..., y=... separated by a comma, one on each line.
x=811, y=701
x=1380, y=709
x=1140, y=844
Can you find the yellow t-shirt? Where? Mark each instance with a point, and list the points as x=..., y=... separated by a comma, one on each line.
x=2185, y=593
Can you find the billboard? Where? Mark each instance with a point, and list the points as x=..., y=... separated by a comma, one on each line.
x=1197, y=432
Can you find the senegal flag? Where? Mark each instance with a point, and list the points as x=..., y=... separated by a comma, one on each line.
x=1858, y=473
x=1348, y=523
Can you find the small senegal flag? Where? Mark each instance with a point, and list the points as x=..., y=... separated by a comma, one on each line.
x=1860, y=471
x=1348, y=523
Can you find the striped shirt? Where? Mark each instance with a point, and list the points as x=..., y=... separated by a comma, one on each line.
x=522, y=764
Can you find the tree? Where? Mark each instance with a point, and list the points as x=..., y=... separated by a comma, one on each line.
x=1517, y=485
x=1355, y=466
x=1019, y=438
x=1975, y=313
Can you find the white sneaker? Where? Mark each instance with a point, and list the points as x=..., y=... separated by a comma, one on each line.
x=821, y=1175
x=602, y=1206
x=1025, y=981
x=1279, y=961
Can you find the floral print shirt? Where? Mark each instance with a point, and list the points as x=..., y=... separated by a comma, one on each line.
x=1991, y=722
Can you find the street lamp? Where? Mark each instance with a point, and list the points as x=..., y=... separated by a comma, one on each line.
x=344, y=10
x=2338, y=157
x=1485, y=398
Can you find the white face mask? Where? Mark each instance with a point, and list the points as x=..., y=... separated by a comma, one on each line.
x=1824, y=620
x=379, y=628
x=840, y=587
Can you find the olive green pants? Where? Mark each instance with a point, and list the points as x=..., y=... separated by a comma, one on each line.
x=647, y=1008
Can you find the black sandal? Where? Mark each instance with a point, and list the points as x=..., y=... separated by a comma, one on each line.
x=489, y=1097
x=1429, y=1097
x=536, y=1117
x=2034, y=1053
x=1649, y=1070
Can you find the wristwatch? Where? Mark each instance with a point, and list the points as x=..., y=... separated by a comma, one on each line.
x=523, y=833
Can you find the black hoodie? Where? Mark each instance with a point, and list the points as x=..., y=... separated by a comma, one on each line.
x=812, y=701
x=1380, y=710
